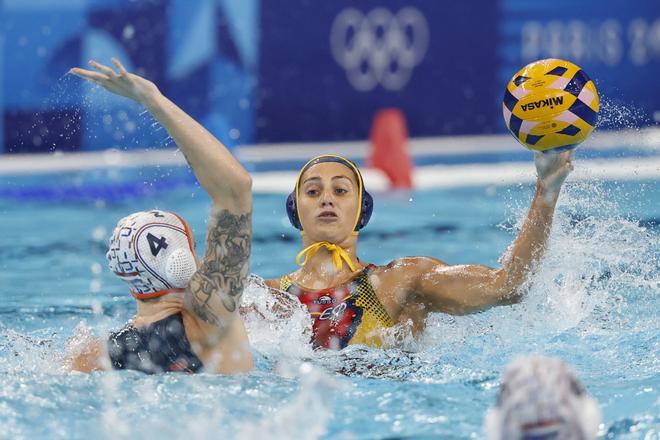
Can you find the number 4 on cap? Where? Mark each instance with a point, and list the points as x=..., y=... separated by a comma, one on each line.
x=156, y=244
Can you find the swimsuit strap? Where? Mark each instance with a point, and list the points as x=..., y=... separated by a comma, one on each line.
x=285, y=282
x=366, y=297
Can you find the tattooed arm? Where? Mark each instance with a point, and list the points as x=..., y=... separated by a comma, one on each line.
x=214, y=293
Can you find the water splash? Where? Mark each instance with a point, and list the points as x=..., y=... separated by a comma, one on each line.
x=278, y=325
x=29, y=353
x=312, y=398
x=617, y=115
x=600, y=276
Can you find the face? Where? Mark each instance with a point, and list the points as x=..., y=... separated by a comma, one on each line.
x=328, y=202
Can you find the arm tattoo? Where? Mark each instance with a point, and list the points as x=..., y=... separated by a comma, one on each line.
x=216, y=288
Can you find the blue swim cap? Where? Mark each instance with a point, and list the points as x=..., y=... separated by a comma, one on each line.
x=366, y=201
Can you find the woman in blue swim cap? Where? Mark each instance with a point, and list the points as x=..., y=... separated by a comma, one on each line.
x=351, y=301
x=187, y=311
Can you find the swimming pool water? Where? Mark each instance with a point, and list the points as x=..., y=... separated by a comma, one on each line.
x=594, y=303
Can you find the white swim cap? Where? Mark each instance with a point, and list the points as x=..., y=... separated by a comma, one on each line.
x=153, y=252
x=541, y=398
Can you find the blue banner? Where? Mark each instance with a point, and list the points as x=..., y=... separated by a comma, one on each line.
x=259, y=71
x=327, y=67
x=616, y=43
x=200, y=53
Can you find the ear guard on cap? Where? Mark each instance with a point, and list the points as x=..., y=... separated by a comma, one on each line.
x=180, y=267
x=366, y=210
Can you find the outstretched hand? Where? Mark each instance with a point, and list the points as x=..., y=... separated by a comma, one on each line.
x=121, y=83
x=552, y=169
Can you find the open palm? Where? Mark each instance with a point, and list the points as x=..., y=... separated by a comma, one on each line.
x=121, y=83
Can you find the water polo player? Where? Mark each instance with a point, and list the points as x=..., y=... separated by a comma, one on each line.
x=541, y=398
x=351, y=301
x=187, y=313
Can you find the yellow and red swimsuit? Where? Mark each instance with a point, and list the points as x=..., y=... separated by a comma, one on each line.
x=347, y=314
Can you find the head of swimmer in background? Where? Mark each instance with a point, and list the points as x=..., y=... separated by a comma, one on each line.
x=542, y=398
x=153, y=252
x=329, y=202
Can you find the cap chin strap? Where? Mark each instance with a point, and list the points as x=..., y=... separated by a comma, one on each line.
x=339, y=255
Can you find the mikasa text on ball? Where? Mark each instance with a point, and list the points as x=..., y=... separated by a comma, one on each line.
x=550, y=105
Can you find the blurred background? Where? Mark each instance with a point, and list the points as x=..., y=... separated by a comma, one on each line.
x=281, y=71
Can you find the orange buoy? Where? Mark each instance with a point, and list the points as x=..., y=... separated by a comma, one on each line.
x=389, y=147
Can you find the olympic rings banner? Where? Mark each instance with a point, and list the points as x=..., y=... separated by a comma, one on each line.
x=257, y=71
x=327, y=67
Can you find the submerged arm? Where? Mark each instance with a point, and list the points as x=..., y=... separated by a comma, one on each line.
x=468, y=288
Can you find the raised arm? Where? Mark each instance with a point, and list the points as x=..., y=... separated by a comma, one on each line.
x=214, y=292
x=468, y=288
x=220, y=174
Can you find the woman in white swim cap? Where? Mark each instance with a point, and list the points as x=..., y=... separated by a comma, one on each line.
x=541, y=398
x=187, y=311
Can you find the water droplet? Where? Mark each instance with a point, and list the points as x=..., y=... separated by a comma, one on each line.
x=99, y=233
x=95, y=285
x=128, y=32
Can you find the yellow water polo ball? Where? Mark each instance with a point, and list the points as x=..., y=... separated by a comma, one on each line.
x=550, y=105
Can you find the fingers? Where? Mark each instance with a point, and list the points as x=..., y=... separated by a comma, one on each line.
x=120, y=66
x=88, y=74
x=103, y=69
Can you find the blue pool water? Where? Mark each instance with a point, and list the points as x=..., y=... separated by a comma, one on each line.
x=594, y=303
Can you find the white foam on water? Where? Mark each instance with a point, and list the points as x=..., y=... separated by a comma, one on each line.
x=29, y=353
x=278, y=325
x=597, y=278
x=288, y=421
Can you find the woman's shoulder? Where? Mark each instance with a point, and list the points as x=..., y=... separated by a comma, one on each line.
x=275, y=283
x=403, y=266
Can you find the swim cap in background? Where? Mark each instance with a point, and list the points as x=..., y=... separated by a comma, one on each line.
x=365, y=200
x=153, y=252
x=542, y=398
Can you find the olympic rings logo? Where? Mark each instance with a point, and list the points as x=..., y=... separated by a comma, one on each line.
x=379, y=47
